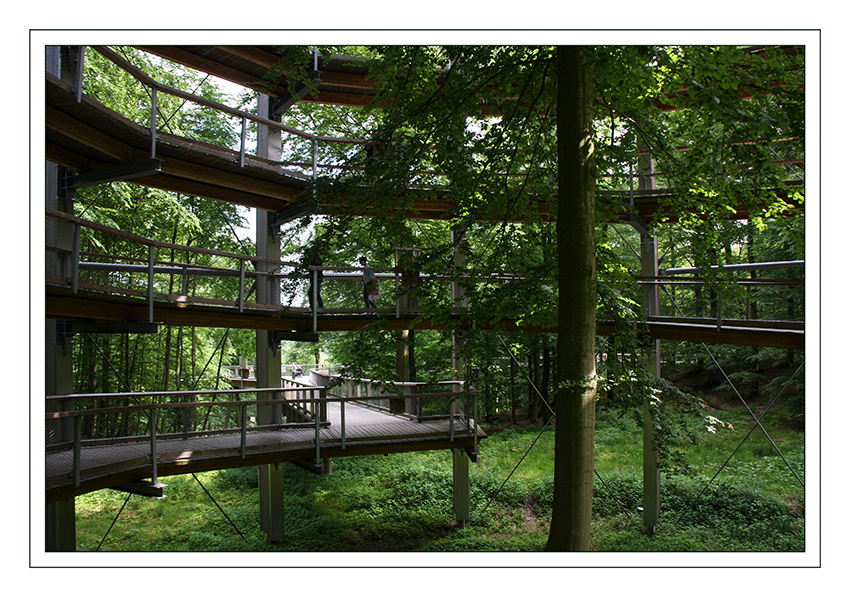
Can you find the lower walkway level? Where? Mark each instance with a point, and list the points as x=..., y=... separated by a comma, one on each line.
x=347, y=427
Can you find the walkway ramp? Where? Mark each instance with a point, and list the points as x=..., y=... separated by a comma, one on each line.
x=349, y=429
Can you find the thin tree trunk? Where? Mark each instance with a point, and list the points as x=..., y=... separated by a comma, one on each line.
x=576, y=363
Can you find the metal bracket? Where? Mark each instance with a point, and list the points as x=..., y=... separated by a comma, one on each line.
x=278, y=336
x=125, y=172
x=144, y=488
x=283, y=104
x=637, y=222
x=69, y=328
x=279, y=218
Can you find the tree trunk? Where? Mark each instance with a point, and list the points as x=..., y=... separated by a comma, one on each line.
x=576, y=364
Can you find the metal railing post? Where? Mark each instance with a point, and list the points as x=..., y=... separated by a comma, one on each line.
x=153, y=446
x=315, y=173
x=242, y=142
x=318, y=421
x=475, y=422
x=315, y=301
x=719, y=310
x=153, y=122
x=342, y=421
x=243, y=439
x=241, y=285
x=150, y=283
x=78, y=433
x=75, y=259
x=452, y=420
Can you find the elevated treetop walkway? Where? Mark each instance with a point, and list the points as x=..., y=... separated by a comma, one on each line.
x=127, y=287
x=96, y=441
x=103, y=440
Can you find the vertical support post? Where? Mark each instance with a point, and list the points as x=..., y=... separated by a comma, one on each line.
x=398, y=299
x=60, y=531
x=268, y=364
x=652, y=358
x=460, y=486
x=59, y=517
x=78, y=86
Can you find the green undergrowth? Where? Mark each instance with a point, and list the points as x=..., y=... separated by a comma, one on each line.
x=403, y=502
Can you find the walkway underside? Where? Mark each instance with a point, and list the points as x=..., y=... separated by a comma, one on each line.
x=63, y=304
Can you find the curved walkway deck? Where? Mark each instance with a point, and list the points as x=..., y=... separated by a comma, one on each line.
x=366, y=431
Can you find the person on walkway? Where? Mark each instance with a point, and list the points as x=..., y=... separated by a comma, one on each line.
x=370, y=283
x=319, y=277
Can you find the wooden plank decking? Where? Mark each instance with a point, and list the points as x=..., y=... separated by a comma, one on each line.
x=367, y=431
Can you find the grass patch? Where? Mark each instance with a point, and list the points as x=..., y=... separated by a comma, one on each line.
x=403, y=502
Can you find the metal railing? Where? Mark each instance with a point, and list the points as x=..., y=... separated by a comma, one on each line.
x=135, y=426
x=133, y=419
x=243, y=116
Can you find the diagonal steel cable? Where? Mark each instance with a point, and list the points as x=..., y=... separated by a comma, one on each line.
x=539, y=435
x=744, y=402
x=219, y=507
x=114, y=520
x=109, y=362
x=735, y=451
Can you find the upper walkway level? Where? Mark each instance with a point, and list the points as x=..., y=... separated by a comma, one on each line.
x=101, y=145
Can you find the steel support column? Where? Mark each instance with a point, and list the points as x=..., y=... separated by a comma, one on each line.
x=460, y=486
x=267, y=368
x=460, y=460
x=60, y=517
x=652, y=358
x=652, y=361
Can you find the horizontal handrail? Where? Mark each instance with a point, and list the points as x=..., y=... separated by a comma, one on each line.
x=168, y=405
x=74, y=437
x=144, y=78
x=59, y=215
x=169, y=393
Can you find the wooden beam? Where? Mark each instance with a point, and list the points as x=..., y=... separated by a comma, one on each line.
x=252, y=54
x=181, y=56
x=70, y=127
x=230, y=180
x=61, y=304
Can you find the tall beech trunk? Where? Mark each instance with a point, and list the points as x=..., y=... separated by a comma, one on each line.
x=576, y=367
